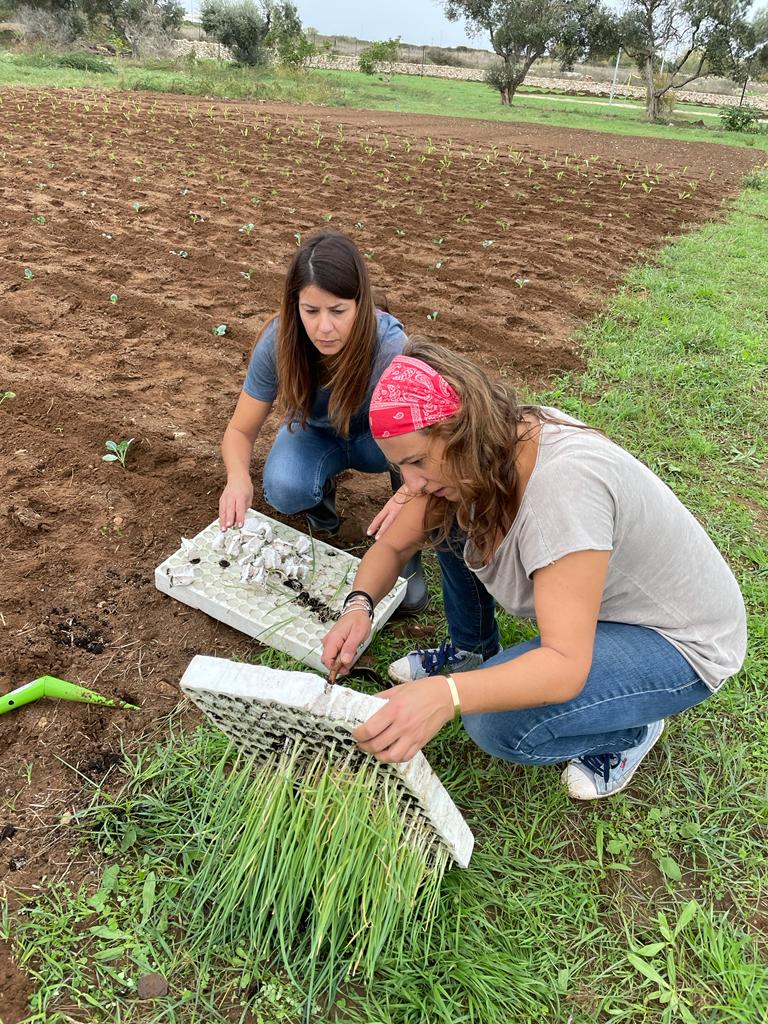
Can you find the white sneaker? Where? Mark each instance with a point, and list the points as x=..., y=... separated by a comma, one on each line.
x=431, y=661
x=597, y=775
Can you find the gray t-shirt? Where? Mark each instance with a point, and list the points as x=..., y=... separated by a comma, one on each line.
x=261, y=379
x=588, y=494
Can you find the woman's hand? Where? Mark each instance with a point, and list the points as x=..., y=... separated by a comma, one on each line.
x=341, y=644
x=234, y=502
x=384, y=519
x=415, y=712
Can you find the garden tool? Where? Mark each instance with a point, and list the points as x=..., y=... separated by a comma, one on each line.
x=50, y=686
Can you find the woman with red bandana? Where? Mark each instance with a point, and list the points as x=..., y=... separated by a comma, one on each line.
x=638, y=615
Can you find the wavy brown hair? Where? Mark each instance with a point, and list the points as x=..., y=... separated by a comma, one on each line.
x=480, y=450
x=330, y=261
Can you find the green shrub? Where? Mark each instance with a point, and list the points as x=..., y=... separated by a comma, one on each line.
x=85, y=62
x=757, y=179
x=740, y=119
x=384, y=52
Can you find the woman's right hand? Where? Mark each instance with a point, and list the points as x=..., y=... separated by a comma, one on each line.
x=234, y=502
x=341, y=643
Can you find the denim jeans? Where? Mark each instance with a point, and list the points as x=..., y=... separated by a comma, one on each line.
x=302, y=460
x=636, y=677
x=469, y=608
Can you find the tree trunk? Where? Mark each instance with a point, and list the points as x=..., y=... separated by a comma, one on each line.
x=506, y=99
x=652, y=105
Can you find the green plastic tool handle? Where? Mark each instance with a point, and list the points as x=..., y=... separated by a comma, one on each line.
x=50, y=686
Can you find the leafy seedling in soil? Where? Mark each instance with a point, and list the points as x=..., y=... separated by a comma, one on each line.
x=113, y=298
x=220, y=330
x=117, y=451
x=6, y=394
x=28, y=273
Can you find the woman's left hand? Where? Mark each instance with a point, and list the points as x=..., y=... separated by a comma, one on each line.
x=415, y=712
x=389, y=513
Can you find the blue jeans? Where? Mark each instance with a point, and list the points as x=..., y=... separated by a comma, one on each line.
x=301, y=461
x=636, y=677
x=469, y=608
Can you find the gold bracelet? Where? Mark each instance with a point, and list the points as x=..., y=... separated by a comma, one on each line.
x=454, y=696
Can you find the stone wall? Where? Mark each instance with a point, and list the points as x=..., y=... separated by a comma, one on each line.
x=567, y=86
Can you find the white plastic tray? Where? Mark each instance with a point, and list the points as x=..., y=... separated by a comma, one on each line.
x=273, y=615
x=264, y=710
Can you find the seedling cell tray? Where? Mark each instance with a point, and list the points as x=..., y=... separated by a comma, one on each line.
x=270, y=582
x=265, y=710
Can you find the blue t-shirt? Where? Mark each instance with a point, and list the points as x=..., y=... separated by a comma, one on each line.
x=261, y=379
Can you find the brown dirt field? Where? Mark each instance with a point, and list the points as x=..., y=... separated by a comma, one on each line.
x=567, y=213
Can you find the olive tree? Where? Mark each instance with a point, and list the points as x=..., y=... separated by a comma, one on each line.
x=254, y=31
x=522, y=31
x=691, y=37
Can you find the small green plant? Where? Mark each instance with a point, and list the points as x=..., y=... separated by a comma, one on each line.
x=113, y=298
x=220, y=330
x=433, y=315
x=757, y=179
x=28, y=273
x=6, y=394
x=117, y=451
x=246, y=229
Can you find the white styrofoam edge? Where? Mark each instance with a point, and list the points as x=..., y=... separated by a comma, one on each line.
x=310, y=693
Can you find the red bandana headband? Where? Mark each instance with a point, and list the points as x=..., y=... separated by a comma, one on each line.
x=410, y=395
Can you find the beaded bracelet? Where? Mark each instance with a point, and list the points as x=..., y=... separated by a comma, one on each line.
x=355, y=596
x=355, y=607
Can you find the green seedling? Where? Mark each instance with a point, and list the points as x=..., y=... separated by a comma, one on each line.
x=297, y=236
x=246, y=229
x=113, y=298
x=521, y=282
x=6, y=394
x=28, y=273
x=117, y=451
x=50, y=686
x=220, y=330
x=136, y=207
x=433, y=315
x=487, y=243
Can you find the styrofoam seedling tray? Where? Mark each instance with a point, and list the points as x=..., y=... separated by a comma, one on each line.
x=269, y=613
x=266, y=710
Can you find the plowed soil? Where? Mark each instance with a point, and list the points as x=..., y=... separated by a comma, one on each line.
x=131, y=227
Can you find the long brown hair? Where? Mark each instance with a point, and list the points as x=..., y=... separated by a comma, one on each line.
x=330, y=261
x=481, y=442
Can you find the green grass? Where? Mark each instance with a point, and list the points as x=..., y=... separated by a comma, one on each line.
x=648, y=908
x=403, y=93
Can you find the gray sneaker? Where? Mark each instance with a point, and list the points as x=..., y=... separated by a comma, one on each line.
x=432, y=661
x=597, y=775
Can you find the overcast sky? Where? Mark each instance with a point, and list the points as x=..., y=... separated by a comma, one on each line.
x=415, y=21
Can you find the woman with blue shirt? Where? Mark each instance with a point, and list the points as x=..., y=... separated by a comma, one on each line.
x=316, y=363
